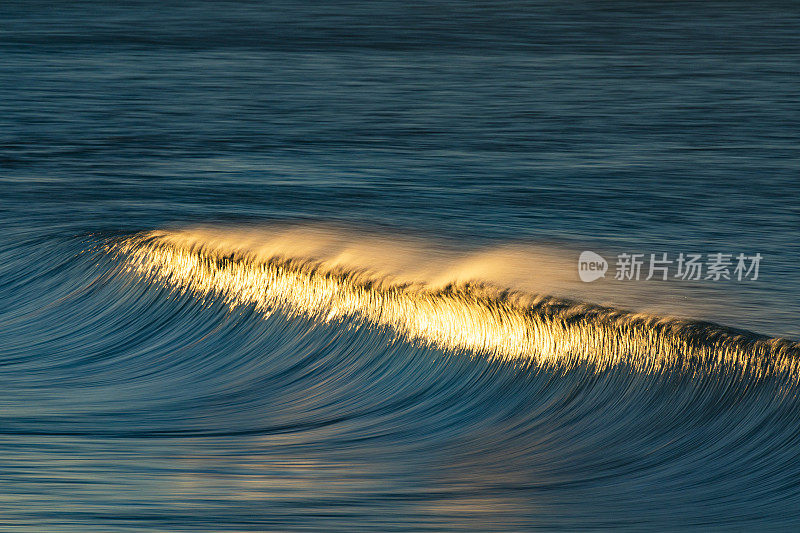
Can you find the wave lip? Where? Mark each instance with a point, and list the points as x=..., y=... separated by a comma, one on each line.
x=478, y=318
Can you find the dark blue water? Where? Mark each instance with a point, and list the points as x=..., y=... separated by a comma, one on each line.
x=609, y=126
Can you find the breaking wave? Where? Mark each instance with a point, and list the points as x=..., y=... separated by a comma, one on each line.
x=297, y=275
x=297, y=368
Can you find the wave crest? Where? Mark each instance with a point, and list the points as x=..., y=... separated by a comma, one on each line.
x=476, y=317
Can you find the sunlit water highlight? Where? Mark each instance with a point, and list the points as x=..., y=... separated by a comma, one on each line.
x=486, y=320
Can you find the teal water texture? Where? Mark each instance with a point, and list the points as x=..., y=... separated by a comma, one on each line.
x=380, y=326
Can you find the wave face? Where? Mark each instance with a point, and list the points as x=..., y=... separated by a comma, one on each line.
x=200, y=380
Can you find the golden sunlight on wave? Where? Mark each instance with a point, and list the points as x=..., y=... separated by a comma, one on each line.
x=285, y=273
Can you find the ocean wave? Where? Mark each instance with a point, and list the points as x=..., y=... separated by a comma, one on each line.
x=277, y=370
